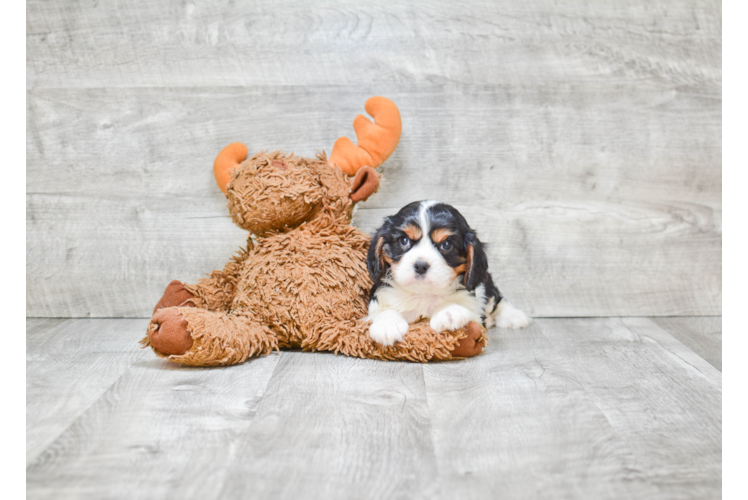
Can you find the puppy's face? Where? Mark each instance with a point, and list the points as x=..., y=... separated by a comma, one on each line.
x=426, y=245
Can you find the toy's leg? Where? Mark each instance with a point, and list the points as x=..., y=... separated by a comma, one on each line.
x=421, y=343
x=198, y=337
x=209, y=293
x=175, y=295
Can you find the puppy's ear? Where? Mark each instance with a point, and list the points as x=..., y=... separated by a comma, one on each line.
x=477, y=262
x=375, y=260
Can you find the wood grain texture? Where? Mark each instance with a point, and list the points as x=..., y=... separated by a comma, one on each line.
x=582, y=140
x=38, y=328
x=209, y=43
x=703, y=335
x=68, y=367
x=161, y=431
x=567, y=408
x=615, y=141
x=662, y=399
x=337, y=427
x=595, y=200
x=518, y=422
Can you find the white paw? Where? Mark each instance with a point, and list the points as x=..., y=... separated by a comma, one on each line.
x=452, y=317
x=388, y=327
x=509, y=316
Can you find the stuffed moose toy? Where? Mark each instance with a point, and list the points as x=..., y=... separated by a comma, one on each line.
x=302, y=280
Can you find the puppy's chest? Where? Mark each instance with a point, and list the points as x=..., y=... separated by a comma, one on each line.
x=412, y=305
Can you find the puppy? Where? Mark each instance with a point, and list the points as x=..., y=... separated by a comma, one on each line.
x=426, y=262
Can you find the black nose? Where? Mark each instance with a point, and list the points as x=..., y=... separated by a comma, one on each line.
x=421, y=267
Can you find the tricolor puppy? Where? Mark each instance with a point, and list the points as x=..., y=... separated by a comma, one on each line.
x=426, y=262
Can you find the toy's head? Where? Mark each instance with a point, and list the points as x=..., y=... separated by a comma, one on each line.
x=276, y=191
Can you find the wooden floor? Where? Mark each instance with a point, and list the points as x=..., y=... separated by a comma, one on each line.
x=568, y=408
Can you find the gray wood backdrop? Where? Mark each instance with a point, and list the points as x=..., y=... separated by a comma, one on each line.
x=581, y=139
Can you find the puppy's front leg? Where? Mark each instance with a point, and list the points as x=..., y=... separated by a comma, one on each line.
x=387, y=326
x=452, y=317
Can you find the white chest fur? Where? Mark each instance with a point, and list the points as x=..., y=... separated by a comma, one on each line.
x=423, y=302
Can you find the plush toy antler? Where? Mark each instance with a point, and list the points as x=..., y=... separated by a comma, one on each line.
x=227, y=160
x=376, y=141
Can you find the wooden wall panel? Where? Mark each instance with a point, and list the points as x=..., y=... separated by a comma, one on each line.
x=223, y=43
x=582, y=141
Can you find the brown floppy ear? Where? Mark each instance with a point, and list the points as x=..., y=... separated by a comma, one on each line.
x=365, y=184
x=477, y=262
x=376, y=260
x=227, y=160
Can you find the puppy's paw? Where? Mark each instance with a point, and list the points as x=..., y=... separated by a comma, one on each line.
x=452, y=317
x=388, y=327
x=509, y=316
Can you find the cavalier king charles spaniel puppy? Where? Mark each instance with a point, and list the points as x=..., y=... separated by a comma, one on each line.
x=426, y=262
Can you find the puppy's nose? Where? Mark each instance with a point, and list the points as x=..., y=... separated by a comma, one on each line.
x=421, y=267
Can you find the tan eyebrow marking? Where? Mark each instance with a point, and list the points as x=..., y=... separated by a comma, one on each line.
x=439, y=235
x=414, y=232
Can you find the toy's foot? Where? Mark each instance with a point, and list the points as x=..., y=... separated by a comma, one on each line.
x=469, y=346
x=168, y=332
x=175, y=295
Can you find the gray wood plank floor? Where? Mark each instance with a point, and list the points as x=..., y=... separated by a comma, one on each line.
x=568, y=408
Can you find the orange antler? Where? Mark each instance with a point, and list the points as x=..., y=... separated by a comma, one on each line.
x=227, y=160
x=376, y=141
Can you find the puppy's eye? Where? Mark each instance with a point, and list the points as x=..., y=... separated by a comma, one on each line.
x=405, y=242
x=446, y=245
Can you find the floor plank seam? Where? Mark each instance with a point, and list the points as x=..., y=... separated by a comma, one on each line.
x=36, y=459
x=432, y=438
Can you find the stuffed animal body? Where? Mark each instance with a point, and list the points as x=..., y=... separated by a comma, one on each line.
x=302, y=280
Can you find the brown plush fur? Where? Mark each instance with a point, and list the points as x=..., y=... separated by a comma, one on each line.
x=302, y=282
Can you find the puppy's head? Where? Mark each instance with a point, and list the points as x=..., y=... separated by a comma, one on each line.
x=427, y=245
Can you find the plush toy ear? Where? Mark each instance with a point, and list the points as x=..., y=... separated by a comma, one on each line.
x=376, y=141
x=227, y=160
x=364, y=184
